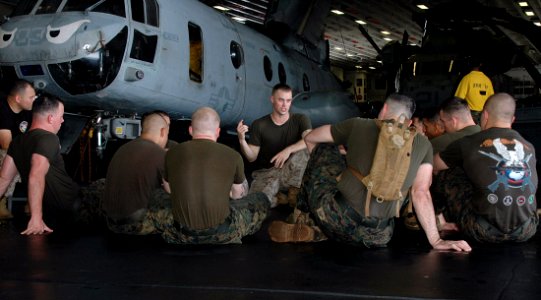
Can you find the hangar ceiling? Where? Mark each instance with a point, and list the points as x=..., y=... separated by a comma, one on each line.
x=384, y=21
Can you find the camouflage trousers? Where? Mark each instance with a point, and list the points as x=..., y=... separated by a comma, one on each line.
x=271, y=181
x=338, y=220
x=11, y=187
x=447, y=187
x=246, y=216
x=456, y=191
x=144, y=221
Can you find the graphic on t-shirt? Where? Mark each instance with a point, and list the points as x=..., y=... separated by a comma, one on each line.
x=23, y=126
x=512, y=168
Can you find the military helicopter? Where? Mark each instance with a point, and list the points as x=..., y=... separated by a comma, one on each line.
x=128, y=57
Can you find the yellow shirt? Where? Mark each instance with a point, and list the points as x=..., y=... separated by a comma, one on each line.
x=475, y=87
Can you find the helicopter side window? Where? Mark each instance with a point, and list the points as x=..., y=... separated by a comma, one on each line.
x=196, y=53
x=267, y=67
x=48, y=7
x=282, y=76
x=305, y=83
x=236, y=54
x=112, y=7
x=145, y=11
x=144, y=46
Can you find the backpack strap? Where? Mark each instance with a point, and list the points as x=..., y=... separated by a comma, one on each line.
x=360, y=177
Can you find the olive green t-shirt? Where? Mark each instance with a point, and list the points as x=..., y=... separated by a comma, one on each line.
x=200, y=173
x=441, y=142
x=360, y=136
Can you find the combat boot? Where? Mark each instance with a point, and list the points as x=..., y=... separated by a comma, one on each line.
x=4, y=212
x=282, y=232
x=281, y=199
x=292, y=196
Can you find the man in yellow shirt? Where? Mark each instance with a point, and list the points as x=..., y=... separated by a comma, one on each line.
x=475, y=88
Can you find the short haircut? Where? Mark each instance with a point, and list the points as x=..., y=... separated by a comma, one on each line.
x=45, y=104
x=205, y=119
x=154, y=121
x=501, y=106
x=281, y=87
x=157, y=112
x=455, y=106
x=19, y=87
x=400, y=104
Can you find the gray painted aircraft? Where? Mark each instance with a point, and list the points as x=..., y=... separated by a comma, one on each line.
x=134, y=56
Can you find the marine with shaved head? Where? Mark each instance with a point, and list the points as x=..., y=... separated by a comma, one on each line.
x=209, y=190
x=501, y=166
x=135, y=193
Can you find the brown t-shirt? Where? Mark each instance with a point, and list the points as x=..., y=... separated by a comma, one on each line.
x=360, y=136
x=200, y=173
x=134, y=172
x=60, y=189
x=274, y=138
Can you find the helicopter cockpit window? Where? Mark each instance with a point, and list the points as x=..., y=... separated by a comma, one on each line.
x=282, y=76
x=267, y=67
x=196, y=53
x=236, y=54
x=145, y=11
x=112, y=7
x=24, y=7
x=48, y=7
x=144, y=46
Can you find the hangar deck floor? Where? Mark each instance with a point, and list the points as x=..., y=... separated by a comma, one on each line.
x=108, y=266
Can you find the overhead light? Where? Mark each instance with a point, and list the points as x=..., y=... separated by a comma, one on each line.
x=358, y=67
x=387, y=39
x=385, y=32
x=218, y=7
x=336, y=11
x=413, y=44
x=360, y=22
x=338, y=48
x=379, y=61
x=529, y=13
x=349, y=55
x=523, y=4
x=422, y=6
x=239, y=19
x=537, y=24
x=372, y=68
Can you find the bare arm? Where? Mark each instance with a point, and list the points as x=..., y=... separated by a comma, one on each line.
x=249, y=151
x=422, y=202
x=239, y=190
x=36, y=187
x=166, y=186
x=5, y=138
x=281, y=157
x=7, y=173
x=439, y=164
x=319, y=135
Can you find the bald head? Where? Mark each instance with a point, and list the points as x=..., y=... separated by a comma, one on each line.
x=501, y=108
x=205, y=120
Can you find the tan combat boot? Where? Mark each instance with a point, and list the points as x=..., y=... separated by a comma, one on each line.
x=292, y=196
x=4, y=212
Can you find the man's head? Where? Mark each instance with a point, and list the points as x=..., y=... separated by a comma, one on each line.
x=433, y=126
x=205, y=124
x=156, y=127
x=455, y=114
x=281, y=99
x=21, y=96
x=499, y=111
x=48, y=113
x=397, y=105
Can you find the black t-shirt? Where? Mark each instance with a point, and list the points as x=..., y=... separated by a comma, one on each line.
x=60, y=189
x=501, y=165
x=272, y=138
x=16, y=123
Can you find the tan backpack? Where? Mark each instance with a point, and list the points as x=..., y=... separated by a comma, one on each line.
x=390, y=164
